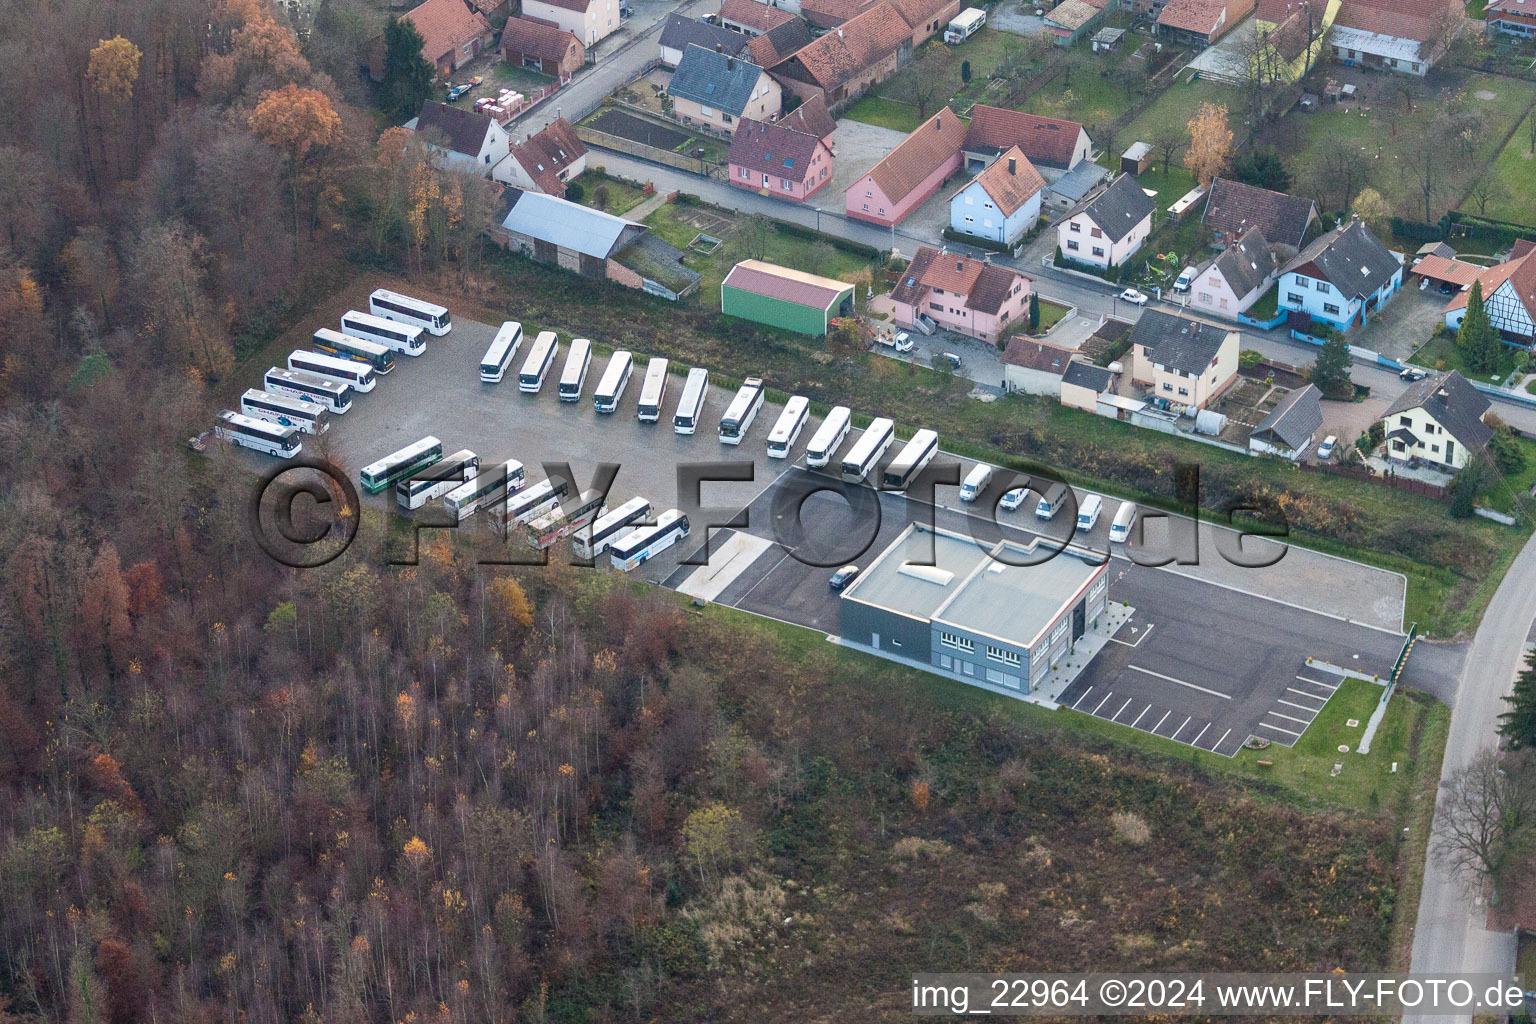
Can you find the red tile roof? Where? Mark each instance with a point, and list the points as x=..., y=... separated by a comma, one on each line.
x=765, y=148
x=1419, y=20
x=811, y=117
x=779, y=43
x=1520, y=273
x=1521, y=247
x=1045, y=140
x=538, y=39
x=545, y=155
x=843, y=53
x=921, y=12
x=446, y=25
x=754, y=15
x=579, y=6
x=1192, y=15
x=985, y=286
x=1442, y=269
x=831, y=13
x=1036, y=355
x=935, y=142
x=1010, y=188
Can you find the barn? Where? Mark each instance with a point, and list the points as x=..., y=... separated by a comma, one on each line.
x=780, y=297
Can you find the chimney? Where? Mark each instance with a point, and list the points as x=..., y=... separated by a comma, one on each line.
x=1013, y=165
x=730, y=63
x=839, y=33
x=719, y=48
x=960, y=266
x=938, y=123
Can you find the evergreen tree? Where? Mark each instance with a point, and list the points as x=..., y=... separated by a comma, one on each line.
x=1262, y=168
x=1476, y=338
x=1331, y=371
x=1518, y=724
x=407, y=74
x=1034, y=311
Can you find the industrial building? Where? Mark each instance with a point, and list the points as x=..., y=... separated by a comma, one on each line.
x=785, y=298
x=997, y=616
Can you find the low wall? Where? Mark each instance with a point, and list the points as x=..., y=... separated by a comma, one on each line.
x=593, y=137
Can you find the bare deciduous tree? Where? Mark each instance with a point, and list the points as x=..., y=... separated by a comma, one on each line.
x=1489, y=818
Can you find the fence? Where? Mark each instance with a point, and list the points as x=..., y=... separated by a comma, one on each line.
x=1389, y=479
x=692, y=165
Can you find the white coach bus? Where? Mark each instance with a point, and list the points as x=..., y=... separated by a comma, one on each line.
x=346, y=371
x=306, y=387
x=258, y=435
x=865, y=454
x=306, y=417
x=742, y=411
x=429, y=316
x=536, y=367
x=653, y=391
x=648, y=541
x=437, y=479
x=402, y=338
x=615, y=379
x=491, y=487
x=413, y=457
x=574, y=377
x=503, y=349
x=612, y=526
x=791, y=421
x=685, y=418
x=910, y=461
x=829, y=437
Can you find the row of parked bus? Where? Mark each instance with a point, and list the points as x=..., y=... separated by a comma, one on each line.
x=545, y=513
x=300, y=398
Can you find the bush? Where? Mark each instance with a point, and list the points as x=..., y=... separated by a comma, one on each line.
x=1248, y=358
x=1506, y=452
x=575, y=191
x=600, y=197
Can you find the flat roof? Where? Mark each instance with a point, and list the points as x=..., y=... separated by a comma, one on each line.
x=952, y=579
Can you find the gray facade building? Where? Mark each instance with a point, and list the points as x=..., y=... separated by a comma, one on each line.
x=997, y=616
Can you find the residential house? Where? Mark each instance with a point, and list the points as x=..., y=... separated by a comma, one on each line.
x=1439, y=421
x=715, y=90
x=774, y=159
x=1396, y=35
x=926, y=18
x=828, y=14
x=1084, y=385
x=1290, y=34
x=1237, y=278
x=792, y=6
x=1232, y=208
x=959, y=294
x=910, y=173
x=778, y=44
x=1509, y=298
x=1512, y=17
x=1180, y=360
x=1107, y=229
x=1339, y=279
x=842, y=64
x=543, y=48
x=810, y=117
x=548, y=160
x=593, y=244
x=463, y=140
x=1052, y=145
x=1075, y=186
x=452, y=32
x=1201, y=22
x=1291, y=426
x=680, y=32
x=1002, y=203
x=496, y=11
x=751, y=17
x=1034, y=367
x=588, y=20
x=1070, y=20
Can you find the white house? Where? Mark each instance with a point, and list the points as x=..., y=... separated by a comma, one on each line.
x=1034, y=367
x=1291, y=426
x=1438, y=420
x=587, y=20
x=1509, y=298
x=1002, y=203
x=463, y=140
x=1237, y=278
x=1106, y=230
x=1341, y=278
x=546, y=162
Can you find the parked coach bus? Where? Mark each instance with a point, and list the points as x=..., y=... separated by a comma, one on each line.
x=791, y=421
x=334, y=395
x=345, y=346
x=527, y=504
x=437, y=479
x=612, y=526
x=429, y=316
x=742, y=411
x=536, y=367
x=258, y=435
x=561, y=521
x=574, y=377
x=306, y=417
x=648, y=541
x=615, y=379
x=345, y=371
x=410, y=459
x=829, y=437
x=653, y=391
x=867, y=451
x=912, y=459
x=402, y=338
x=491, y=487
x=685, y=418
x=503, y=349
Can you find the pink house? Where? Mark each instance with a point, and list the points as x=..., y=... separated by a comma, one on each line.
x=776, y=160
x=960, y=294
x=910, y=173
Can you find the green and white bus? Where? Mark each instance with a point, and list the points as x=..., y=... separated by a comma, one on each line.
x=398, y=465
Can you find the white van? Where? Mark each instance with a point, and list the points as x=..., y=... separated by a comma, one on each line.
x=1120, y=529
x=1013, y=499
x=975, y=482
x=1088, y=512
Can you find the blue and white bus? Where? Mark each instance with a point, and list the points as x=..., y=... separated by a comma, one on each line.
x=647, y=542
x=306, y=417
x=612, y=526
x=402, y=338
x=536, y=367
x=429, y=316
x=346, y=371
x=334, y=395
x=493, y=365
x=615, y=379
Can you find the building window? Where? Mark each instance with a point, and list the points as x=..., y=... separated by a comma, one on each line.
x=965, y=667
x=1302, y=282
x=726, y=118
x=1435, y=448
x=1098, y=251
x=1330, y=309
x=959, y=643
x=939, y=306
x=1005, y=656
x=946, y=662
x=1071, y=245
x=1184, y=392
x=1205, y=297
x=1075, y=227
x=969, y=201
x=1096, y=233
x=1167, y=386
x=1290, y=297
x=1098, y=587
x=1321, y=286
x=785, y=182
x=994, y=676
x=1398, y=446
x=1060, y=631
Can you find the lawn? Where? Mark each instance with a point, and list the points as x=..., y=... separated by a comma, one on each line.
x=1515, y=170
x=1087, y=94
x=1441, y=353
x=1051, y=314
x=1504, y=494
x=1177, y=105
x=878, y=110
x=1267, y=306
x=622, y=196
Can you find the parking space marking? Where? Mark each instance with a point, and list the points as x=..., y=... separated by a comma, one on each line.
x=1122, y=708
x=1319, y=682
x=1291, y=718
x=1171, y=679
x=1160, y=721
x=1082, y=698
x=1266, y=725
x=742, y=599
x=1142, y=715
x=1223, y=739
x=1181, y=726
x=1300, y=707
x=1304, y=693
x=1196, y=740
x=1095, y=711
x=1139, y=639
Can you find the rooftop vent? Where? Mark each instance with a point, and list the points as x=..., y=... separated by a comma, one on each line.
x=927, y=573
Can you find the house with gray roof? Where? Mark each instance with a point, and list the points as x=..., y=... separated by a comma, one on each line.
x=1339, y=280
x=1107, y=229
x=680, y=32
x=1180, y=361
x=1291, y=426
x=1084, y=384
x=1438, y=422
x=593, y=244
x=463, y=140
x=1237, y=278
x=714, y=91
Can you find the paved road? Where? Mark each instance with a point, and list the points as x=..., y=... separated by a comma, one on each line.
x=1449, y=935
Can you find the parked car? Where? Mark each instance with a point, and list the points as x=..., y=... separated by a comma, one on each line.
x=1134, y=297
x=455, y=91
x=1410, y=375
x=1186, y=278
x=1325, y=450
x=954, y=360
x=843, y=577
x=1447, y=288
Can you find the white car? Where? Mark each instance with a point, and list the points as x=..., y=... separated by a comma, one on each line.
x=1134, y=297
x=1325, y=450
x=903, y=342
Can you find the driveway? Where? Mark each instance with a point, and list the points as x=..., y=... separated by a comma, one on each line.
x=1016, y=16
x=1227, y=59
x=858, y=147
x=1405, y=324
